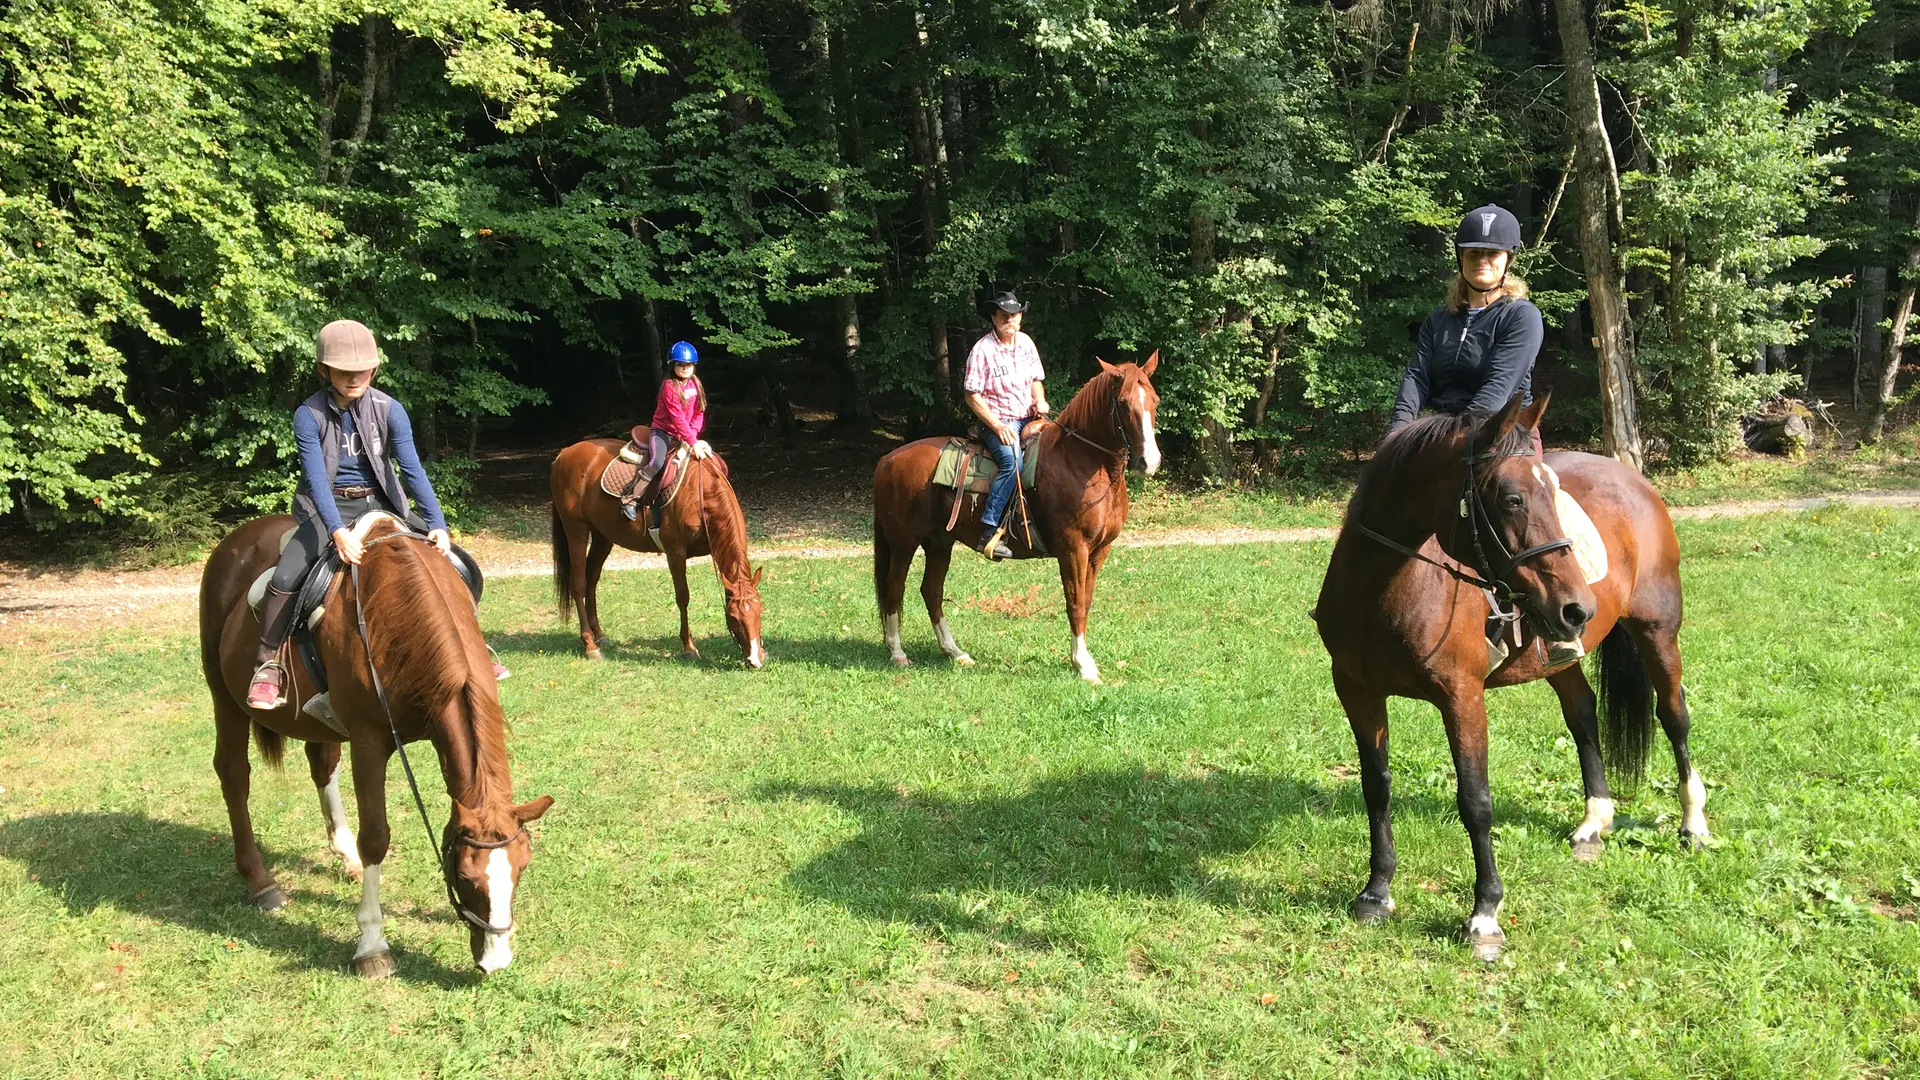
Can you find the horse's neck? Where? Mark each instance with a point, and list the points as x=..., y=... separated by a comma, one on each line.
x=728, y=544
x=1411, y=507
x=474, y=768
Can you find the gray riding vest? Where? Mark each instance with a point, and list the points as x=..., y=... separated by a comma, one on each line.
x=370, y=420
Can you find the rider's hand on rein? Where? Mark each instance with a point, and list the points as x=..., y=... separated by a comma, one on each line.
x=349, y=547
x=441, y=539
x=701, y=451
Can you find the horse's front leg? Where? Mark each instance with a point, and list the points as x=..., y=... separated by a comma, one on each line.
x=1367, y=715
x=1077, y=571
x=323, y=763
x=1465, y=717
x=372, y=958
x=677, y=564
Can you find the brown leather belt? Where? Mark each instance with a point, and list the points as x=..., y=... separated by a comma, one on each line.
x=352, y=492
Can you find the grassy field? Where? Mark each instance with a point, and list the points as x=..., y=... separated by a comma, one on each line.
x=832, y=868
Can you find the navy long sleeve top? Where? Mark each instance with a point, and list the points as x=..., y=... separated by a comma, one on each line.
x=313, y=465
x=1471, y=360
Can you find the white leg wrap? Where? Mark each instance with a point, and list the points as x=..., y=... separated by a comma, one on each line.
x=1693, y=806
x=1597, y=823
x=943, y=634
x=1083, y=659
x=890, y=629
x=368, y=914
x=338, y=831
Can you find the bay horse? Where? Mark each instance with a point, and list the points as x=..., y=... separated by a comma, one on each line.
x=704, y=518
x=1077, y=506
x=1405, y=607
x=409, y=614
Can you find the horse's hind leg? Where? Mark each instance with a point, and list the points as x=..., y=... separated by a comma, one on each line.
x=892, y=583
x=323, y=762
x=597, y=551
x=1660, y=652
x=1580, y=708
x=1367, y=715
x=578, y=534
x=231, y=728
x=933, y=586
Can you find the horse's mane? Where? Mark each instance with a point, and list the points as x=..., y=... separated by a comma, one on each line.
x=727, y=537
x=1092, y=406
x=1415, y=439
x=426, y=654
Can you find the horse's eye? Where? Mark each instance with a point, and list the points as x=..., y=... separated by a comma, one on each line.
x=1516, y=503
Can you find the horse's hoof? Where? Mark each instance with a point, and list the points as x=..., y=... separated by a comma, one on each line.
x=963, y=660
x=1370, y=912
x=270, y=899
x=1589, y=849
x=374, y=965
x=1487, y=947
x=602, y=641
x=595, y=654
x=689, y=654
x=901, y=661
x=1694, y=841
x=1091, y=680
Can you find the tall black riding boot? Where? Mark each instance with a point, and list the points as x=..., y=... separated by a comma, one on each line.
x=267, y=689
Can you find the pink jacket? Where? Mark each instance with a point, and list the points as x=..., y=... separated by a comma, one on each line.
x=679, y=413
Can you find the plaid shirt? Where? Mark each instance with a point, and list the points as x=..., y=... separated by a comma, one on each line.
x=1003, y=375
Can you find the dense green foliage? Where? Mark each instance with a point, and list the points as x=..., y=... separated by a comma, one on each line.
x=824, y=190
x=831, y=868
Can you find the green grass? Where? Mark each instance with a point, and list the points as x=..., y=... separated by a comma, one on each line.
x=832, y=868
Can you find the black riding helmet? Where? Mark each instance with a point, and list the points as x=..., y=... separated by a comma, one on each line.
x=1490, y=226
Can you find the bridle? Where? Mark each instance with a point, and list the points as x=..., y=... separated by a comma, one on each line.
x=446, y=847
x=1119, y=424
x=1474, y=510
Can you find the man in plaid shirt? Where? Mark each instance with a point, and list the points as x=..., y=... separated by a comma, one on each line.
x=1004, y=389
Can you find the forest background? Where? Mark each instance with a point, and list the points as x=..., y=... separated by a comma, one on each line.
x=528, y=201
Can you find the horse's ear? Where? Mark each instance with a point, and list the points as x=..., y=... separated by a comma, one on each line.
x=1152, y=362
x=1106, y=367
x=1501, y=424
x=1530, y=416
x=758, y=572
x=531, y=811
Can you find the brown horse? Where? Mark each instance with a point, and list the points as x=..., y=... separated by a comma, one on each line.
x=422, y=636
x=1077, y=507
x=1402, y=614
x=703, y=518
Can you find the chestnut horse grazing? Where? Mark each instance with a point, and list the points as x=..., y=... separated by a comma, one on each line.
x=1077, y=507
x=704, y=518
x=1453, y=510
x=423, y=639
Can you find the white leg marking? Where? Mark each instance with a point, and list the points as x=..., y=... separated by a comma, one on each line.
x=1598, y=821
x=1149, y=447
x=368, y=915
x=1083, y=659
x=335, y=813
x=1693, y=807
x=952, y=648
x=1488, y=925
x=497, y=953
x=890, y=629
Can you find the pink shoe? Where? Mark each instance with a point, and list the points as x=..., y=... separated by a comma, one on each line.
x=265, y=692
x=500, y=672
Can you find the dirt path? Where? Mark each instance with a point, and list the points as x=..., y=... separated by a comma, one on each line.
x=90, y=596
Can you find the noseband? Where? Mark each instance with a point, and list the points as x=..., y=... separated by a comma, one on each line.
x=467, y=914
x=1474, y=510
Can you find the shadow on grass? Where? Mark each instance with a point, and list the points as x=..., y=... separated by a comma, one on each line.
x=1118, y=832
x=142, y=866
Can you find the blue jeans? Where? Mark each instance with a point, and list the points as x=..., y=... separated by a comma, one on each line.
x=1004, y=481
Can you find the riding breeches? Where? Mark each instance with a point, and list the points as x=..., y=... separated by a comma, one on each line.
x=303, y=549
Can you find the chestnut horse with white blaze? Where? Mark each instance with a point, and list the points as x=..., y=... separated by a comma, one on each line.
x=423, y=639
x=1077, y=506
x=1453, y=510
x=703, y=518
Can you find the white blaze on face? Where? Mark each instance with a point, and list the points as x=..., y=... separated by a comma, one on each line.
x=753, y=653
x=497, y=953
x=1149, y=447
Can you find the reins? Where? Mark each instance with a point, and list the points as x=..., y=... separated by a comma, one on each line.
x=1474, y=509
x=379, y=689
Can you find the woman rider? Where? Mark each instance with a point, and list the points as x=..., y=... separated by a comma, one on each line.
x=1477, y=350
x=355, y=446
x=1005, y=390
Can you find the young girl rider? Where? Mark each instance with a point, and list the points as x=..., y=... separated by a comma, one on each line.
x=356, y=448
x=680, y=413
x=1477, y=350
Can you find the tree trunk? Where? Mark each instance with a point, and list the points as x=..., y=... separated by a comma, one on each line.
x=369, y=80
x=1896, y=337
x=852, y=408
x=1593, y=153
x=323, y=119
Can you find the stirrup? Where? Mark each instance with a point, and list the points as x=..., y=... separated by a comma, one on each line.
x=631, y=509
x=994, y=546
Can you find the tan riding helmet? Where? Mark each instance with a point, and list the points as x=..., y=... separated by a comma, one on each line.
x=345, y=345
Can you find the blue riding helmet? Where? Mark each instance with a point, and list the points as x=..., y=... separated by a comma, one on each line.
x=683, y=352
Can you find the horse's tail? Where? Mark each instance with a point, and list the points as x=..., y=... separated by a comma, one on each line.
x=272, y=745
x=562, y=566
x=1626, y=708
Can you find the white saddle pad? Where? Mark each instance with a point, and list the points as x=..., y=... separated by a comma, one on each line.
x=1589, y=550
